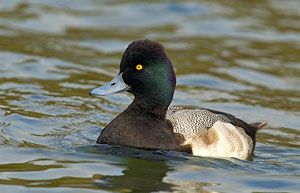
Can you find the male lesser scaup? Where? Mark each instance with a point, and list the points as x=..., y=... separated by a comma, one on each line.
x=147, y=72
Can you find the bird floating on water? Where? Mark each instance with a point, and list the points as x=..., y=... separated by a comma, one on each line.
x=150, y=122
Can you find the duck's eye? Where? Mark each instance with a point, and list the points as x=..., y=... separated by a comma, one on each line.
x=139, y=67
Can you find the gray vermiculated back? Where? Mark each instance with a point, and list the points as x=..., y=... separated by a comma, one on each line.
x=187, y=121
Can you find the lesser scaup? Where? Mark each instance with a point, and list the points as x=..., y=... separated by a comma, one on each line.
x=149, y=122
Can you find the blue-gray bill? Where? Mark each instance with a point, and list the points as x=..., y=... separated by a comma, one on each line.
x=116, y=85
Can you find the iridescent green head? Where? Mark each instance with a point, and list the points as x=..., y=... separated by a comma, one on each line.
x=145, y=71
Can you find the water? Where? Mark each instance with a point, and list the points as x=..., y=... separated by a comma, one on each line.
x=234, y=56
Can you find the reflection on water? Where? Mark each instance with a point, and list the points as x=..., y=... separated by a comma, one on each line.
x=240, y=57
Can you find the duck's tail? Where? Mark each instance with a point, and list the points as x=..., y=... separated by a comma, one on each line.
x=258, y=125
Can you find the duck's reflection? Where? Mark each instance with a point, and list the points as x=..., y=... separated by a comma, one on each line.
x=145, y=172
x=140, y=176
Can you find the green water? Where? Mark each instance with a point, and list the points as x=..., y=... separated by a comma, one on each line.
x=234, y=56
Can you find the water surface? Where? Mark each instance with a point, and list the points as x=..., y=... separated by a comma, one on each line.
x=233, y=56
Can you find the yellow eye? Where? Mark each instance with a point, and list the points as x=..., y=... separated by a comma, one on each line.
x=139, y=67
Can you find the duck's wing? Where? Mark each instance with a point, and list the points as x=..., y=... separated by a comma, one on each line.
x=213, y=133
x=188, y=120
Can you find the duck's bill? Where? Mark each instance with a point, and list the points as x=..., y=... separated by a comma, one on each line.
x=114, y=86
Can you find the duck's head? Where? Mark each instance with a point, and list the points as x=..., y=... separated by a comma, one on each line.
x=145, y=71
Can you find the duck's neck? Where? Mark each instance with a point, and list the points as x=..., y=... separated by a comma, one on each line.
x=142, y=109
x=155, y=103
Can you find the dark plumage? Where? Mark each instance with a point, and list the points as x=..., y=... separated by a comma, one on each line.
x=147, y=123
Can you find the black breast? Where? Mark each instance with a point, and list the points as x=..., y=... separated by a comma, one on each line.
x=142, y=131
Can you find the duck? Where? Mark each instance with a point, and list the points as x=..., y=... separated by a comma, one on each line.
x=149, y=122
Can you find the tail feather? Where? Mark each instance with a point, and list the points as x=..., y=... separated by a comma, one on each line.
x=259, y=125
